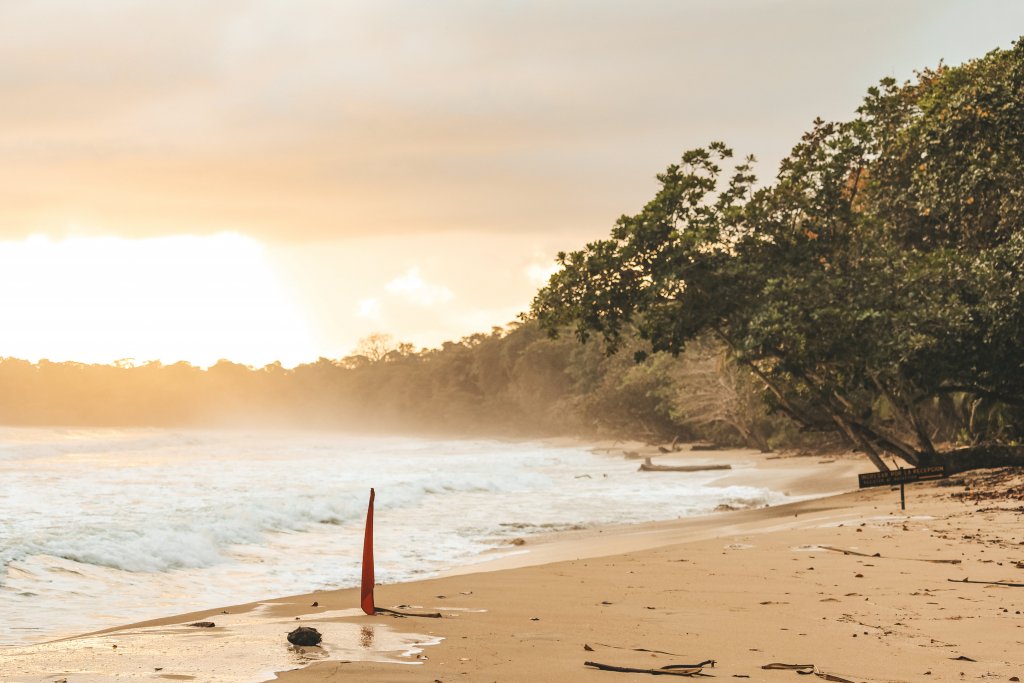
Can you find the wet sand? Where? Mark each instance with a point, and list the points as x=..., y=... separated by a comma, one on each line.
x=745, y=589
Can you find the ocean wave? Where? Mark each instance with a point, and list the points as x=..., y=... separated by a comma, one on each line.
x=96, y=520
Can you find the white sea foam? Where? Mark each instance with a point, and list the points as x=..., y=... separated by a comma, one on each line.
x=99, y=527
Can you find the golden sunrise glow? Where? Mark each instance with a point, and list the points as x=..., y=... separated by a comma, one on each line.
x=101, y=299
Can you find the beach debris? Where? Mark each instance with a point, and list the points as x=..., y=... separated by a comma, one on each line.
x=963, y=658
x=988, y=583
x=315, y=604
x=203, y=624
x=582, y=476
x=305, y=636
x=587, y=648
x=807, y=670
x=670, y=670
x=396, y=613
x=846, y=551
x=709, y=662
x=518, y=541
x=647, y=466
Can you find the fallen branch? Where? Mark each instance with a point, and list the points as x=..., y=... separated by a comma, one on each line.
x=848, y=552
x=670, y=670
x=385, y=610
x=879, y=555
x=830, y=677
x=793, y=667
x=806, y=670
x=988, y=583
x=709, y=662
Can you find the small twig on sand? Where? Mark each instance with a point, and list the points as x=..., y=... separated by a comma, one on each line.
x=793, y=667
x=671, y=670
x=988, y=583
x=807, y=669
x=844, y=551
x=709, y=662
x=385, y=610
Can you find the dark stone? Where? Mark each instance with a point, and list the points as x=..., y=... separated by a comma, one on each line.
x=304, y=636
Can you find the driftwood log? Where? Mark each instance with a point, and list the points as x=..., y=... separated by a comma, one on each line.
x=984, y=455
x=650, y=467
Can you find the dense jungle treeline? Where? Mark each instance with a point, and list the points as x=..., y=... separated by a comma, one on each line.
x=513, y=381
x=870, y=295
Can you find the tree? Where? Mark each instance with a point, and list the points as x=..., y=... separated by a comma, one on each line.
x=879, y=271
x=375, y=347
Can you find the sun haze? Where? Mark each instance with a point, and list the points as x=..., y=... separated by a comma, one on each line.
x=165, y=298
x=408, y=168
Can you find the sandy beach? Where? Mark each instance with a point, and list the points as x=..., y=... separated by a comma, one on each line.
x=744, y=588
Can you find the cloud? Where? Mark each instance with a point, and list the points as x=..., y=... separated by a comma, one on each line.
x=411, y=287
x=152, y=118
x=538, y=274
x=369, y=308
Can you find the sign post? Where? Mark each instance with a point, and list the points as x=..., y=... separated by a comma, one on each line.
x=902, y=477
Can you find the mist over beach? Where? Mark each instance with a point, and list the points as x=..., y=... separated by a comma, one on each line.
x=548, y=341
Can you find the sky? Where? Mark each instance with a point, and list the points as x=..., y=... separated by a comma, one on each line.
x=263, y=180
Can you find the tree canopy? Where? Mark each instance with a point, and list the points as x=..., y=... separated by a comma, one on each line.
x=874, y=288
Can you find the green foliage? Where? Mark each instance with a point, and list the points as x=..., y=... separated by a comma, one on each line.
x=879, y=271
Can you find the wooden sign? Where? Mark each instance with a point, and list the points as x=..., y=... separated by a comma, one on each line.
x=893, y=477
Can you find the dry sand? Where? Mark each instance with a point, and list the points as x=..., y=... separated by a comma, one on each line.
x=744, y=588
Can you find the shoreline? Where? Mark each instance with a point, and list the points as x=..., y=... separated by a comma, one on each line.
x=682, y=586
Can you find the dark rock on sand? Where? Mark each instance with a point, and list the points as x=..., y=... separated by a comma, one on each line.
x=305, y=636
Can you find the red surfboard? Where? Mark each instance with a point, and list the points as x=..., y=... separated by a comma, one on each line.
x=366, y=589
